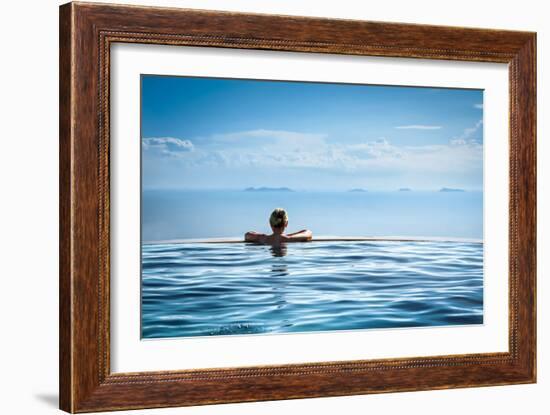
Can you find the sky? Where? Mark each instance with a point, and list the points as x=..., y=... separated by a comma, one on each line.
x=211, y=133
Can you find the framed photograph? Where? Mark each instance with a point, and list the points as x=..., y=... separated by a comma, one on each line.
x=258, y=207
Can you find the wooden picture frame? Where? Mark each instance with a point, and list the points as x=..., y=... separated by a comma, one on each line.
x=86, y=33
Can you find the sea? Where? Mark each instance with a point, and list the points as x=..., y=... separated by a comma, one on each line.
x=184, y=214
x=201, y=288
x=206, y=289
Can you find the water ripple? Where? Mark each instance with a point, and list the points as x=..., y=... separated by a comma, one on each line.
x=221, y=289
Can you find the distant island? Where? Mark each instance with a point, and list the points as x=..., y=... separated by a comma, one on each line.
x=358, y=190
x=449, y=189
x=268, y=189
x=405, y=189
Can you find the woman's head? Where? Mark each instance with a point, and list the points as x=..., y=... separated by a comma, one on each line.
x=278, y=220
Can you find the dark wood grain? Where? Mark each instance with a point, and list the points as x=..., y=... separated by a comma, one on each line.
x=65, y=247
x=86, y=33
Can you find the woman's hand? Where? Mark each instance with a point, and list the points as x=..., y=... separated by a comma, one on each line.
x=301, y=236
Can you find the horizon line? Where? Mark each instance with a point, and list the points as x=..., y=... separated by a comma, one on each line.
x=324, y=238
x=298, y=190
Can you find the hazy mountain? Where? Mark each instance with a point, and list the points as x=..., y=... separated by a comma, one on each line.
x=449, y=189
x=268, y=189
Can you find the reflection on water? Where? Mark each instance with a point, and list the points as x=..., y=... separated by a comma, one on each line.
x=279, y=270
x=278, y=251
x=223, y=289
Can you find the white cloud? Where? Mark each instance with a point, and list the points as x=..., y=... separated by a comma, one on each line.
x=478, y=106
x=270, y=149
x=380, y=148
x=418, y=127
x=467, y=133
x=267, y=139
x=167, y=145
x=458, y=142
x=373, y=156
x=269, y=134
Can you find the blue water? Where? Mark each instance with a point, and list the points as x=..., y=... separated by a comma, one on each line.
x=204, y=214
x=224, y=289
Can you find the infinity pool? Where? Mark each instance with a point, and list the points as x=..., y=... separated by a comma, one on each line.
x=206, y=289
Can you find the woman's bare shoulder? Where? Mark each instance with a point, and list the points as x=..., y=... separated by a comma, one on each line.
x=255, y=237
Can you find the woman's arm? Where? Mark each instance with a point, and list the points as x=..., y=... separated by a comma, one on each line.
x=296, y=233
x=300, y=236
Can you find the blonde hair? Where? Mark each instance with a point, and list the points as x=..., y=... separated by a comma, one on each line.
x=278, y=218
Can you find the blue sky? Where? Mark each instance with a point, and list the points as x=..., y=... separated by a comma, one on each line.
x=230, y=134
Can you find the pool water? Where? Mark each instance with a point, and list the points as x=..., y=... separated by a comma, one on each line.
x=207, y=289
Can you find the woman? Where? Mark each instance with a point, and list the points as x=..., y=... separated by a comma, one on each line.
x=278, y=222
